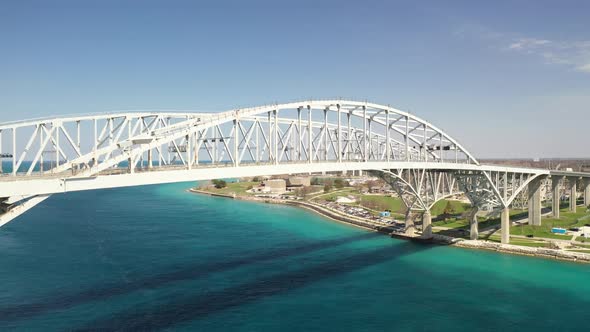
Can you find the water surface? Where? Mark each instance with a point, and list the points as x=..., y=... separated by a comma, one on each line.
x=158, y=258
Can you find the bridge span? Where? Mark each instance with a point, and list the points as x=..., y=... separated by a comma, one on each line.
x=421, y=162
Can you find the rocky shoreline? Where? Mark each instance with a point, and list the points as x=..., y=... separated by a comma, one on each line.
x=437, y=239
x=526, y=251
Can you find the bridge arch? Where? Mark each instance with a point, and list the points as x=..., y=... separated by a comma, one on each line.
x=68, y=153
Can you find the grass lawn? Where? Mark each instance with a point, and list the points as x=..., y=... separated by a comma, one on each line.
x=452, y=223
x=583, y=239
x=332, y=196
x=238, y=188
x=457, y=206
x=542, y=231
x=517, y=241
x=381, y=202
x=373, y=202
x=567, y=220
x=459, y=223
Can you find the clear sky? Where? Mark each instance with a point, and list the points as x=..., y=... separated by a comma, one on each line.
x=507, y=79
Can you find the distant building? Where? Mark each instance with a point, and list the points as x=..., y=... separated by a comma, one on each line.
x=275, y=186
x=299, y=181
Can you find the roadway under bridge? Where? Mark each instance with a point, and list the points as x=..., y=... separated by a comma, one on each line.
x=420, y=161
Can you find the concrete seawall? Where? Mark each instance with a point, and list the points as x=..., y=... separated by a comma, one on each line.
x=526, y=251
x=342, y=218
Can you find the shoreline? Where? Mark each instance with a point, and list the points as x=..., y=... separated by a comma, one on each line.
x=539, y=252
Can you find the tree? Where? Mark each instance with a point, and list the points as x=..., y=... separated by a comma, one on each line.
x=304, y=191
x=338, y=183
x=449, y=208
x=219, y=183
x=327, y=186
x=315, y=181
x=359, y=187
x=373, y=184
x=255, y=179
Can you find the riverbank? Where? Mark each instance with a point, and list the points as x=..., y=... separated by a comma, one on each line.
x=437, y=238
x=333, y=215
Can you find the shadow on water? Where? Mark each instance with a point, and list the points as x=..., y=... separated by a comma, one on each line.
x=182, y=273
x=172, y=313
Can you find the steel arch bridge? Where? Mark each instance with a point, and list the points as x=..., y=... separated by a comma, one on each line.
x=422, y=163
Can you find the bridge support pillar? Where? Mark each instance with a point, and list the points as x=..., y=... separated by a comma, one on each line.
x=149, y=159
x=573, y=194
x=409, y=227
x=555, y=186
x=534, y=194
x=473, y=223
x=505, y=225
x=427, y=225
x=587, y=192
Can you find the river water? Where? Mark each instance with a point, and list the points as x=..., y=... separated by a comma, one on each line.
x=159, y=258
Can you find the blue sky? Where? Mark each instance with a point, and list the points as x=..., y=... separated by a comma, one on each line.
x=508, y=79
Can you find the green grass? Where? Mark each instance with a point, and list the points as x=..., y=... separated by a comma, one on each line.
x=451, y=223
x=238, y=188
x=382, y=202
x=542, y=231
x=461, y=223
x=495, y=222
x=518, y=241
x=583, y=239
x=386, y=202
x=332, y=196
x=374, y=202
x=458, y=207
x=567, y=220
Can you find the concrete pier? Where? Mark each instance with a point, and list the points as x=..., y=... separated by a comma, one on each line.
x=410, y=229
x=473, y=223
x=573, y=193
x=556, y=196
x=149, y=159
x=426, y=225
x=534, y=196
x=505, y=225
x=586, y=192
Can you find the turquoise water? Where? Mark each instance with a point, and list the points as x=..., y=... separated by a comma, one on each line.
x=158, y=258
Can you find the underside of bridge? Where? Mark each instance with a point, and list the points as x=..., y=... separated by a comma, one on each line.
x=420, y=161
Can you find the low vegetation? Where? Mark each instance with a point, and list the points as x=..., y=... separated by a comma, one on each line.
x=219, y=183
x=229, y=188
x=567, y=220
x=519, y=242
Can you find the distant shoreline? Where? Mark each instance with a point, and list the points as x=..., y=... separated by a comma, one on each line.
x=570, y=256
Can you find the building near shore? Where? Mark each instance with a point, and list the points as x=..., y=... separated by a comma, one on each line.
x=275, y=186
x=299, y=181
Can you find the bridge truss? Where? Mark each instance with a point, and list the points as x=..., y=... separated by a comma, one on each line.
x=422, y=162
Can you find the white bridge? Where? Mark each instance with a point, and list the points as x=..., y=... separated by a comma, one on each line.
x=421, y=162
